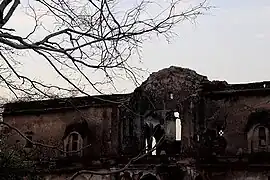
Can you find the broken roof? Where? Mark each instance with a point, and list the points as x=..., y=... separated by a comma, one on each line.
x=181, y=82
x=63, y=104
x=247, y=89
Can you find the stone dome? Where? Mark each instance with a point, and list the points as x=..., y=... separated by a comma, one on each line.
x=181, y=82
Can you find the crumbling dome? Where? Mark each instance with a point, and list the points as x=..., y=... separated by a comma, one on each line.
x=171, y=83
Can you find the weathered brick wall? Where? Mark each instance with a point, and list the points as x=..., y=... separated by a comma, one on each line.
x=241, y=175
x=49, y=128
x=237, y=111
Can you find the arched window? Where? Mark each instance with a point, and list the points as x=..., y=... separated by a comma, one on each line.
x=257, y=129
x=258, y=138
x=148, y=177
x=74, y=142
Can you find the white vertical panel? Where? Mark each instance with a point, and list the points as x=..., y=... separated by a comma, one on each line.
x=178, y=129
x=146, y=146
x=153, y=145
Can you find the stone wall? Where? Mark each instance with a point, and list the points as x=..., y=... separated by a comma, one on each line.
x=233, y=113
x=241, y=175
x=165, y=90
x=49, y=128
x=181, y=82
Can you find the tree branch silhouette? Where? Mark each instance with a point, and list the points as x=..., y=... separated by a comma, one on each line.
x=90, y=36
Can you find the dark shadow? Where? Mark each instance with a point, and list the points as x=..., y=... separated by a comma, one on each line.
x=80, y=126
x=158, y=134
x=147, y=135
x=199, y=177
x=149, y=177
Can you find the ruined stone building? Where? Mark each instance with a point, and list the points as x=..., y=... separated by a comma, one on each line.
x=199, y=129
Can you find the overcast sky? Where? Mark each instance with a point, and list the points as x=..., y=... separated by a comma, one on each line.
x=232, y=43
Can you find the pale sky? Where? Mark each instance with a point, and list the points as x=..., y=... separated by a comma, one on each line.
x=232, y=43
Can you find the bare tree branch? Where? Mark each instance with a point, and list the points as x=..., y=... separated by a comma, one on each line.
x=86, y=36
x=134, y=159
x=3, y=5
x=90, y=36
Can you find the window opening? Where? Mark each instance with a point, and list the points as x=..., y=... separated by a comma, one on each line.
x=153, y=145
x=74, y=143
x=171, y=95
x=178, y=129
x=176, y=114
x=146, y=146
